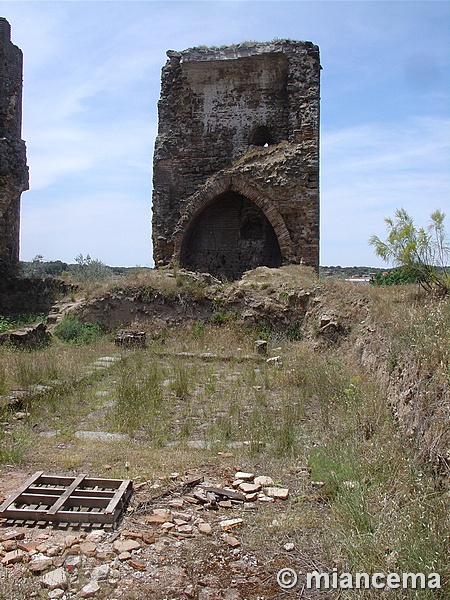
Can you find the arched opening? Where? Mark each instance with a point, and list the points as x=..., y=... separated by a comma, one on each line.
x=230, y=236
x=261, y=136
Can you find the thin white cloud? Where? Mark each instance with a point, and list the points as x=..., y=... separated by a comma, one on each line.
x=71, y=150
x=369, y=171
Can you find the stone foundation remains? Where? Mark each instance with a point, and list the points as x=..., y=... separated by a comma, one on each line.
x=13, y=165
x=236, y=161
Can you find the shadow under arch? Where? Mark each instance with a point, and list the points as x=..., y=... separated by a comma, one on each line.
x=228, y=228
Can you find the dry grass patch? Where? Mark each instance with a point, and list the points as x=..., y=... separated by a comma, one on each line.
x=19, y=369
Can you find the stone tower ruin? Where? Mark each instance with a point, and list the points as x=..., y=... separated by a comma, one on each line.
x=236, y=161
x=13, y=162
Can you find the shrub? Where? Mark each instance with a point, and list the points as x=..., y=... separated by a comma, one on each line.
x=71, y=329
x=223, y=318
x=398, y=276
x=89, y=269
x=17, y=321
x=423, y=254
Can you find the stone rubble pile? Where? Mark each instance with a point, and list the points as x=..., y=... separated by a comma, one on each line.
x=75, y=564
x=29, y=337
x=130, y=338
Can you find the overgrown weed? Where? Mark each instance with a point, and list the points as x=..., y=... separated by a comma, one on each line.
x=21, y=369
x=9, y=323
x=139, y=398
x=71, y=330
x=385, y=514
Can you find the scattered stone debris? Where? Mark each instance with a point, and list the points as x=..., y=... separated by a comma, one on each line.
x=14, y=556
x=275, y=361
x=204, y=528
x=289, y=546
x=55, y=579
x=330, y=328
x=89, y=590
x=196, y=509
x=264, y=480
x=244, y=476
x=278, y=493
x=230, y=524
x=39, y=563
x=101, y=436
x=350, y=485
x=231, y=540
x=20, y=415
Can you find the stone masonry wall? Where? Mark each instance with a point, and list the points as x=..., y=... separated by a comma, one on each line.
x=236, y=161
x=13, y=167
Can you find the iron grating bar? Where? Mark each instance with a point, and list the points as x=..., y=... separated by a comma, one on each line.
x=20, y=491
x=81, y=500
x=60, y=502
x=123, y=490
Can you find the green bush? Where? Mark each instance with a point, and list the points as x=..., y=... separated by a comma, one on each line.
x=295, y=333
x=222, y=318
x=422, y=254
x=16, y=321
x=70, y=329
x=89, y=269
x=399, y=276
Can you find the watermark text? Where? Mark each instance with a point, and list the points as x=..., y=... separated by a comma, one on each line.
x=288, y=578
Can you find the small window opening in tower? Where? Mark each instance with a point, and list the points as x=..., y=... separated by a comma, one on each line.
x=261, y=137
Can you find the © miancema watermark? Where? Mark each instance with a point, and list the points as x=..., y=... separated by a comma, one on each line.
x=288, y=578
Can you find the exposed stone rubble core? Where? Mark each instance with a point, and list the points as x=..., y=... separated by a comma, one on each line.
x=236, y=162
x=13, y=167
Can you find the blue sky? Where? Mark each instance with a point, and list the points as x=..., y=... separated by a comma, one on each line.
x=92, y=82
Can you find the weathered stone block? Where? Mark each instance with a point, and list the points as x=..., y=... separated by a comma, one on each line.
x=27, y=337
x=130, y=339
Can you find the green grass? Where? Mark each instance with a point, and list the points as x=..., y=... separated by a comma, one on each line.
x=73, y=331
x=139, y=399
x=9, y=323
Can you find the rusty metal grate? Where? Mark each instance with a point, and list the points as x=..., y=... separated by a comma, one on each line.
x=80, y=499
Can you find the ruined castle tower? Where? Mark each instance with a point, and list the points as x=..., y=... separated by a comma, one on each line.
x=236, y=161
x=13, y=162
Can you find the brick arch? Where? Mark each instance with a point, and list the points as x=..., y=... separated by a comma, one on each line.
x=218, y=186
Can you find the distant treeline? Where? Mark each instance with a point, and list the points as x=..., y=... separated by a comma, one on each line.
x=84, y=266
x=58, y=268
x=345, y=272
